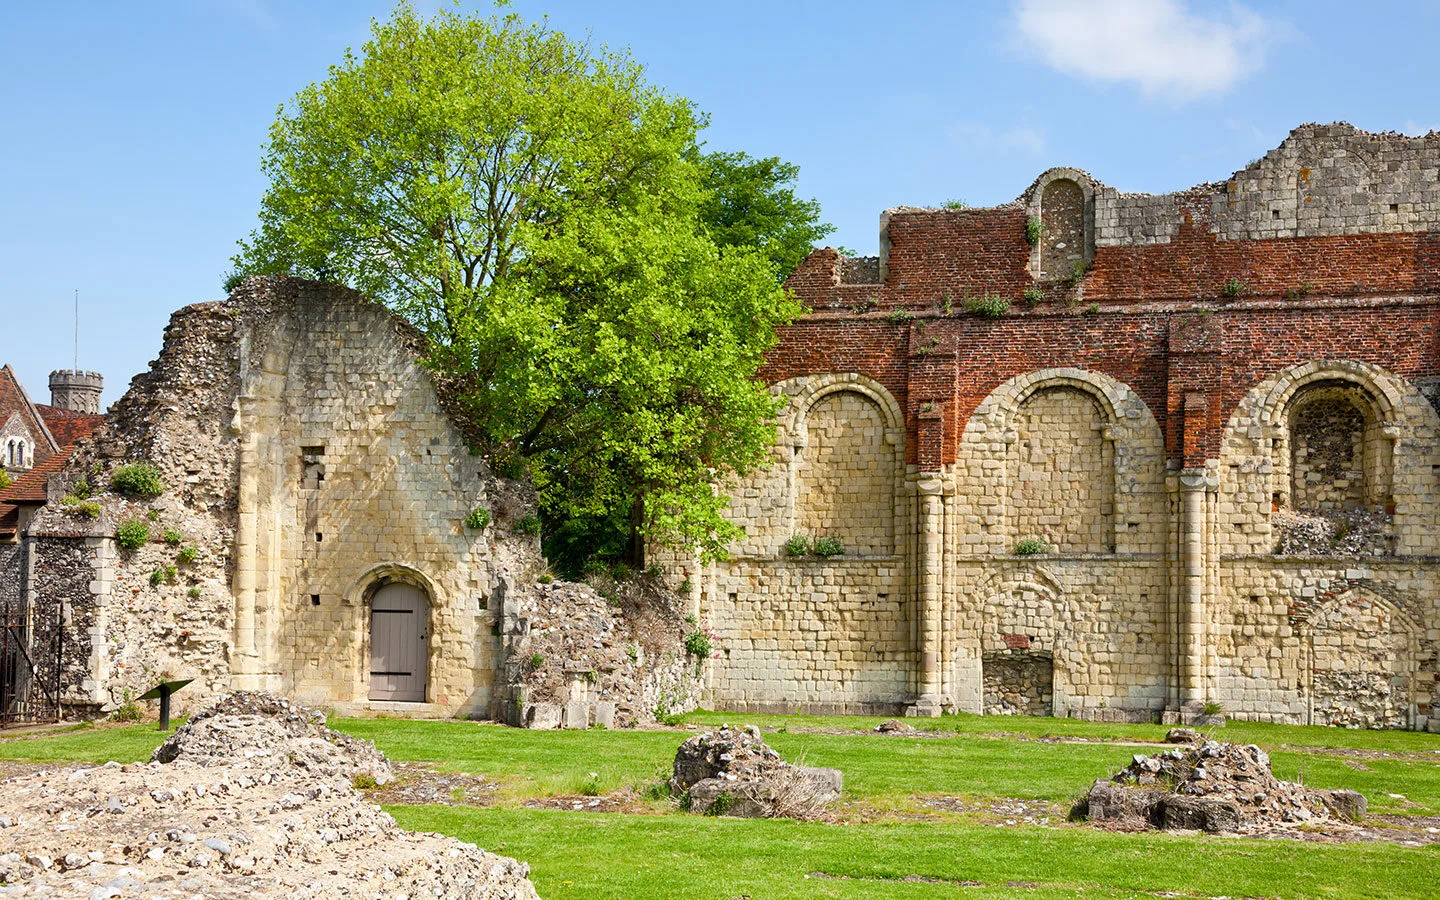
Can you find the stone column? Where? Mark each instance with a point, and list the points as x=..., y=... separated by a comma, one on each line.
x=1194, y=612
x=930, y=572
x=247, y=664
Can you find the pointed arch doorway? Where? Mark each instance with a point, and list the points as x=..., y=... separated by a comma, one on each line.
x=399, y=648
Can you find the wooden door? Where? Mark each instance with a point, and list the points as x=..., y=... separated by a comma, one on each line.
x=398, y=649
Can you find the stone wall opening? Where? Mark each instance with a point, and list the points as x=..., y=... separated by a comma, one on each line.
x=1018, y=682
x=1362, y=665
x=845, y=474
x=1062, y=480
x=1328, y=469
x=1062, y=231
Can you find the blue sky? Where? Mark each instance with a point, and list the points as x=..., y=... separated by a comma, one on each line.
x=131, y=133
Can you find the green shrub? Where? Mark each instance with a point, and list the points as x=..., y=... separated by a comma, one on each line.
x=1031, y=546
x=132, y=534
x=163, y=575
x=90, y=509
x=5, y=479
x=899, y=316
x=528, y=524
x=991, y=306
x=138, y=479
x=129, y=711
x=1233, y=287
x=545, y=578
x=478, y=518
x=955, y=204
x=537, y=660
x=188, y=554
x=1034, y=229
x=1213, y=708
x=363, y=781
x=826, y=546
x=798, y=545
x=621, y=572
x=1092, y=309
x=82, y=490
x=194, y=592
x=698, y=644
x=722, y=804
x=684, y=587
x=153, y=515
x=173, y=537
x=1034, y=295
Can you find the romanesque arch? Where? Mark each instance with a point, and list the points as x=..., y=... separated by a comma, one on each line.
x=1062, y=202
x=397, y=606
x=1361, y=661
x=1081, y=461
x=1025, y=642
x=846, y=437
x=1324, y=440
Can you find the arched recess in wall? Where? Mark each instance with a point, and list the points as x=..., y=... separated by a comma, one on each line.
x=409, y=622
x=1082, y=461
x=1024, y=645
x=847, y=442
x=1062, y=201
x=1333, y=427
x=1361, y=659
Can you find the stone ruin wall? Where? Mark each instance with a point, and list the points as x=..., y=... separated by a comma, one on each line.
x=361, y=477
x=1154, y=446
x=287, y=365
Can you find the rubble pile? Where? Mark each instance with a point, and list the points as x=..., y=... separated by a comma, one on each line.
x=734, y=772
x=578, y=658
x=1351, y=532
x=253, y=799
x=1212, y=786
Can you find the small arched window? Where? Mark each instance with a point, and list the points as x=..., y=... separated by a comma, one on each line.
x=10, y=454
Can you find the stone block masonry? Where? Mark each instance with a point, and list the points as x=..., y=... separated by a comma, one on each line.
x=309, y=461
x=1175, y=376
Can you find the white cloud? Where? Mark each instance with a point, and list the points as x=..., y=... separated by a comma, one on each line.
x=1159, y=46
x=1415, y=129
x=978, y=137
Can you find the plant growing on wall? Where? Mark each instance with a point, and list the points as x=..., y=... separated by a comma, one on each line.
x=899, y=316
x=1034, y=229
x=5, y=480
x=132, y=534
x=1031, y=546
x=528, y=524
x=477, y=519
x=797, y=545
x=187, y=555
x=827, y=545
x=1233, y=287
x=90, y=509
x=173, y=537
x=137, y=479
x=990, y=306
x=1034, y=295
x=598, y=292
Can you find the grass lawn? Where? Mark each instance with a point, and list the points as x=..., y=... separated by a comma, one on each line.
x=597, y=855
x=883, y=852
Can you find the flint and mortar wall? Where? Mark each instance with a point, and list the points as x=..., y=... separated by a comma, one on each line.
x=291, y=411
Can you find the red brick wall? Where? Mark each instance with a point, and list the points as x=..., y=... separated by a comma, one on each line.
x=1178, y=361
x=1369, y=297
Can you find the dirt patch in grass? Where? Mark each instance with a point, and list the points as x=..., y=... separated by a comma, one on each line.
x=419, y=784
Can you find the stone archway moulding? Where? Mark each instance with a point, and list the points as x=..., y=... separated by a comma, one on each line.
x=815, y=387
x=1377, y=383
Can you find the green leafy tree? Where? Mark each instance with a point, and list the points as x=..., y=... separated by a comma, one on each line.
x=752, y=203
x=536, y=207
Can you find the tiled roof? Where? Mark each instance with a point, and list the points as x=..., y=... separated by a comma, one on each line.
x=29, y=488
x=66, y=425
x=14, y=399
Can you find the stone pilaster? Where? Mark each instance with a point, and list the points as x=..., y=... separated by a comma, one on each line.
x=930, y=582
